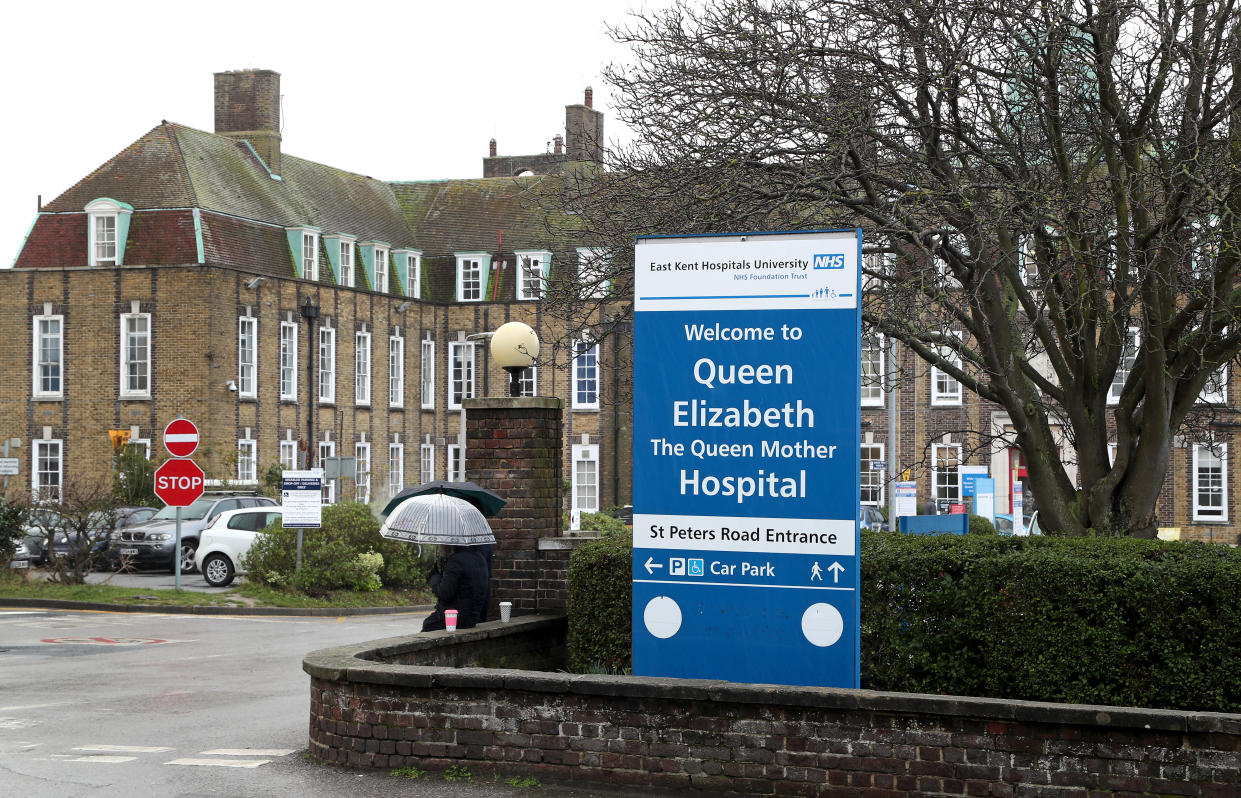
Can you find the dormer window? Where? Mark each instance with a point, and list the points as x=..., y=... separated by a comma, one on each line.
x=346, y=263
x=381, y=270
x=408, y=263
x=593, y=267
x=471, y=275
x=532, y=270
x=107, y=227
x=304, y=244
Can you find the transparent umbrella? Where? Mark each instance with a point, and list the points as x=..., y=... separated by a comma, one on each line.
x=437, y=518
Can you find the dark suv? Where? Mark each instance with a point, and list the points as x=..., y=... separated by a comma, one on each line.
x=150, y=545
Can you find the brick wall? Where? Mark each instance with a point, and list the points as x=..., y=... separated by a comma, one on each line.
x=434, y=711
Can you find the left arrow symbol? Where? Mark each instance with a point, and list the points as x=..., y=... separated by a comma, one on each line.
x=651, y=565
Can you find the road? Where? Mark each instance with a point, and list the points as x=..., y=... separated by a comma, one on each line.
x=106, y=704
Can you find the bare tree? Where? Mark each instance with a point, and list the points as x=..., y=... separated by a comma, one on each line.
x=79, y=518
x=1049, y=190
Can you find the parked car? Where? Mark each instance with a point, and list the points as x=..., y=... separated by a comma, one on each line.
x=65, y=543
x=150, y=545
x=41, y=525
x=871, y=518
x=21, y=556
x=1004, y=525
x=226, y=539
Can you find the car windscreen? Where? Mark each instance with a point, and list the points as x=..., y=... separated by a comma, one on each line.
x=196, y=511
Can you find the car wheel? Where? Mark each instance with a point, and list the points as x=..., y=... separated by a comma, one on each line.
x=218, y=570
x=188, y=549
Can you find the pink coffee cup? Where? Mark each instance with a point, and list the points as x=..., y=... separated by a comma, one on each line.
x=450, y=620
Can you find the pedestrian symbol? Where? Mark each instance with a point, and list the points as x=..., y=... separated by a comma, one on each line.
x=816, y=572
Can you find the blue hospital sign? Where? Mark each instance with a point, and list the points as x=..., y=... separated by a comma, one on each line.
x=746, y=457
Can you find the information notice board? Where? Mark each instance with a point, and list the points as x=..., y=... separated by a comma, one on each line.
x=746, y=457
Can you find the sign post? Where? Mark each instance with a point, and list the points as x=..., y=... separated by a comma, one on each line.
x=746, y=457
x=179, y=483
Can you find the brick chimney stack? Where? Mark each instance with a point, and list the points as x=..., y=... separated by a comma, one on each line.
x=558, y=144
x=247, y=106
x=493, y=148
x=583, y=127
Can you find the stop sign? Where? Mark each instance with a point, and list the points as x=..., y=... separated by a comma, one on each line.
x=179, y=482
x=181, y=437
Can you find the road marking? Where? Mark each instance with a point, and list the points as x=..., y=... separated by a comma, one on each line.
x=106, y=641
x=33, y=706
x=221, y=763
x=127, y=749
x=248, y=752
x=104, y=758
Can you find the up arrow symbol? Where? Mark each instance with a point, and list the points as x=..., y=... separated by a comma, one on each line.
x=837, y=569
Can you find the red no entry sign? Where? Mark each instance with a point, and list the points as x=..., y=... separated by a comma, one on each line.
x=179, y=483
x=181, y=437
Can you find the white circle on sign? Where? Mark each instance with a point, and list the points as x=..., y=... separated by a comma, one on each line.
x=822, y=624
x=662, y=617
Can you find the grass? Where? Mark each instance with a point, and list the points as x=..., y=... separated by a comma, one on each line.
x=243, y=595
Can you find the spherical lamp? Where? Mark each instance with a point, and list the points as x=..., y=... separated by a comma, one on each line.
x=515, y=346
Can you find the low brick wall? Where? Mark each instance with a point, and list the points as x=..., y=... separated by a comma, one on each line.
x=420, y=700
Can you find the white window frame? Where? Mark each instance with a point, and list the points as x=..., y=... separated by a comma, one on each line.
x=1215, y=390
x=362, y=368
x=348, y=261
x=288, y=455
x=327, y=365
x=461, y=372
x=530, y=381
x=1124, y=368
x=324, y=450
x=583, y=454
x=105, y=249
x=381, y=270
x=144, y=370
x=56, y=450
x=943, y=488
x=1210, y=513
x=413, y=275
x=870, y=479
x=426, y=462
x=455, y=473
x=531, y=268
x=427, y=374
x=396, y=469
x=362, y=474
x=247, y=356
x=951, y=393
x=584, y=369
x=310, y=255
x=288, y=361
x=470, y=277
x=943, y=269
x=872, y=393
x=396, y=371
x=592, y=263
x=882, y=262
x=247, y=460
x=41, y=368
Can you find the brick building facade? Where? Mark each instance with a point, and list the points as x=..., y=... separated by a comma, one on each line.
x=171, y=281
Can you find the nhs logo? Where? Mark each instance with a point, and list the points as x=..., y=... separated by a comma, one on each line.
x=829, y=261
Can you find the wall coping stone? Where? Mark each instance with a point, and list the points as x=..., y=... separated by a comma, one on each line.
x=363, y=663
x=513, y=403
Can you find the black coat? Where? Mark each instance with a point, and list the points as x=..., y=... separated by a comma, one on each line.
x=461, y=586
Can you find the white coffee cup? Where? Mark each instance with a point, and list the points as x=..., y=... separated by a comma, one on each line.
x=506, y=611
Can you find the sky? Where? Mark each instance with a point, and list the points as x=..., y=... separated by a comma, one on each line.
x=421, y=86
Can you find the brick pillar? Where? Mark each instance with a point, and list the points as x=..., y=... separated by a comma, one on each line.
x=513, y=446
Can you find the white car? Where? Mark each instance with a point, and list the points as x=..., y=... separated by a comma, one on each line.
x=227, y=538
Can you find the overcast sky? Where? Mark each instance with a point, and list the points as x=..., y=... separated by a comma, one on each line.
x=398, y=91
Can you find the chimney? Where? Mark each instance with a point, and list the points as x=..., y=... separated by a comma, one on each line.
x=590, y=97
x=584, y=131
x=247, y=107
x=558, y=143
x=493, y=148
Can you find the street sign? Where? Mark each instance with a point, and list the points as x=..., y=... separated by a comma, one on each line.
x=179, y=483
x=181, y=437
x=747, y=458
x=301, y=497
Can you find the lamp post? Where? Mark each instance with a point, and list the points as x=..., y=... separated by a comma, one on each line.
x=310, y=312
x=515, y=346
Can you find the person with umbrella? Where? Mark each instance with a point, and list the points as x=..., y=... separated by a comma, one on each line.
x=462, y=580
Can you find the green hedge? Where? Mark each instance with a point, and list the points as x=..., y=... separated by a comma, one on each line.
x=1097, y=620
x=599, y=637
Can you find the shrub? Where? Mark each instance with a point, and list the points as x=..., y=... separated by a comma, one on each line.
x=346, y=553
x=599, y=605
x=981, y=525
x=13, y=515
x=602, y=522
